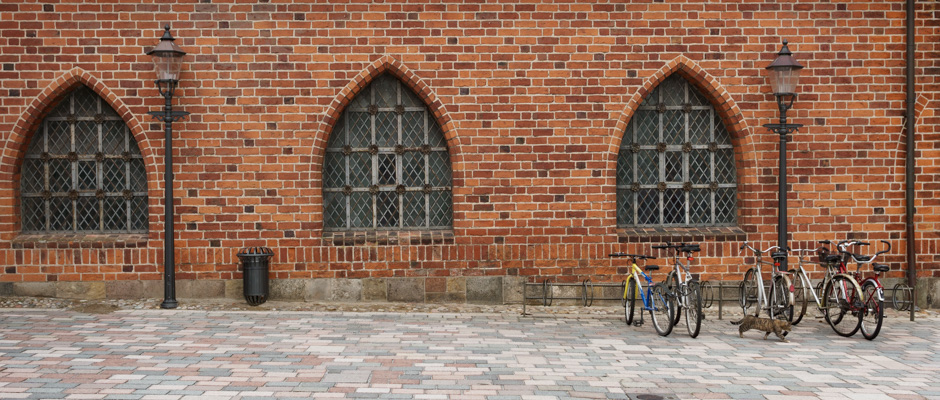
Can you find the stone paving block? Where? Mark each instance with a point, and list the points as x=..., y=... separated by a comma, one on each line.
x=374, y=289
x=235, y=288
x=446, y=297
x=512, y=289
x=199, y=289
x=316, y=290
x=124, y=289
x=345, y=290
x=287, y=289
x=268, y=354
x=152, y=289
x=34, y=289
x=485, y=289
x=406, y=290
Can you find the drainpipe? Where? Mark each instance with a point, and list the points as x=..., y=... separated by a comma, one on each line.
x=909, y=166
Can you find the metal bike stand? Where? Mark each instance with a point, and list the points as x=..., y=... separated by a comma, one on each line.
x=901, y=305
x=708, y=295
x=547, y=295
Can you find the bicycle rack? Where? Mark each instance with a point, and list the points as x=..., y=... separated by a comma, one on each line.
x=708, y=295
x=712, y=292
x=547, y=294
x=906, y=298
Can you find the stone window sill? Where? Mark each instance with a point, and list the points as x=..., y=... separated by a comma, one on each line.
x=79, y=240
x=678, y=235
x=385, y=238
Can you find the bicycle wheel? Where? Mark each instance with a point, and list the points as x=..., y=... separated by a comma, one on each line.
x=800, y=297
x=693, y=313
x=748, y=292
x=874, y=312
x=781, y=303
x=839, y=298
x=629, y=300
x=672, y=285
x=661, y=310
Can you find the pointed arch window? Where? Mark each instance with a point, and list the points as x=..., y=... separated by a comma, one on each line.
x=387, y=166
x=83, y=172
x=676, y=162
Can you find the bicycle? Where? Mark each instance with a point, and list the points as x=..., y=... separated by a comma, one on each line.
x=655, y=299
x=779, y=304
x=685, y=289
x=872, y=310
x=840, y=295
x=803, y=285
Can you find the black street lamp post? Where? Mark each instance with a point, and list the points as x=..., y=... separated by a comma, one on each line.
x=168, y=60
x=784, y=74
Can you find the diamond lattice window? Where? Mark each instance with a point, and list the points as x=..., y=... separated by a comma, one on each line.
x=387, y=165
x=676, y=162
x=83, y=171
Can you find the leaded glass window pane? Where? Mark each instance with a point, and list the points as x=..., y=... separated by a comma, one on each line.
x=83, y=171
x=440, y=211
x=676, y=162
x=386, y=164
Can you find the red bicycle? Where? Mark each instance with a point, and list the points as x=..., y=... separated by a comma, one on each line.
x=872, y=310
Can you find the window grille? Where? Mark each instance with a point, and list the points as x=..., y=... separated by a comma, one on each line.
x=83, y=172
x=676, y=162
x=387, y=165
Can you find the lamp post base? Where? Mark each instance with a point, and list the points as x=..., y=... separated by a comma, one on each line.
x=169, y=304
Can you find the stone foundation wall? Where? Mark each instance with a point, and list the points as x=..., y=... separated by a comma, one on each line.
x=476, y=290
x=481, y=290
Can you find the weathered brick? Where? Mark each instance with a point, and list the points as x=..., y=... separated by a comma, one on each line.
x=533, y=100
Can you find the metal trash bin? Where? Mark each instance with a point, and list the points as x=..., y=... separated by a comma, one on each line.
x=255, y=273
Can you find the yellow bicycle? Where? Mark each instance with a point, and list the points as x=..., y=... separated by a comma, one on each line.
x=656, y=299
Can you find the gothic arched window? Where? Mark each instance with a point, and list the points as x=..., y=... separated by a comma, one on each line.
x=387, y=166
x=83, y=171
x=676, y=162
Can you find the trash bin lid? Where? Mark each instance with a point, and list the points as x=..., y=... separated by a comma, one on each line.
x=255, y=251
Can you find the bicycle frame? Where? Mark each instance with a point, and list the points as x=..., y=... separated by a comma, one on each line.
x=808, y=283
x=849, y=256
x=646, y=297
x=833, y=269
x=684, y=276
x=762, y=302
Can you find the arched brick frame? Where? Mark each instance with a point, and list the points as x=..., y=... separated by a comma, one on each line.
x=11, y=158
x=391, y=65
x=745, y=156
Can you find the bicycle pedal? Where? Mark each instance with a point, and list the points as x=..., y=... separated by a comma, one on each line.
x=638, y=324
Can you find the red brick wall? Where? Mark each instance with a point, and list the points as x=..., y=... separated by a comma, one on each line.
x=533, y=99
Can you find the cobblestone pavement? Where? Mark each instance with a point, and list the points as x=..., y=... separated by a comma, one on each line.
x=190, y=354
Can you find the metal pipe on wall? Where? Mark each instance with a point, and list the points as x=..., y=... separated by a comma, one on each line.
x=910, y=177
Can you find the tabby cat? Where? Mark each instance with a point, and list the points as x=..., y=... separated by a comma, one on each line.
x=777, y=326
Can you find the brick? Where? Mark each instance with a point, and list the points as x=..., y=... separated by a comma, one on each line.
x=533, y=116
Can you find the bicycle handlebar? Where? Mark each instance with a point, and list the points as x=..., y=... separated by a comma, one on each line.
x=635, y=256
x=885, y=250
x=683, y=247
x=858, y=258
x=748, y=246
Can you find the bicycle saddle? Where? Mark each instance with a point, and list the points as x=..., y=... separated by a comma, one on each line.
x=651, y=267
x=689, y=248
x=881, y=267
x=831, y=258
x=860, y=257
